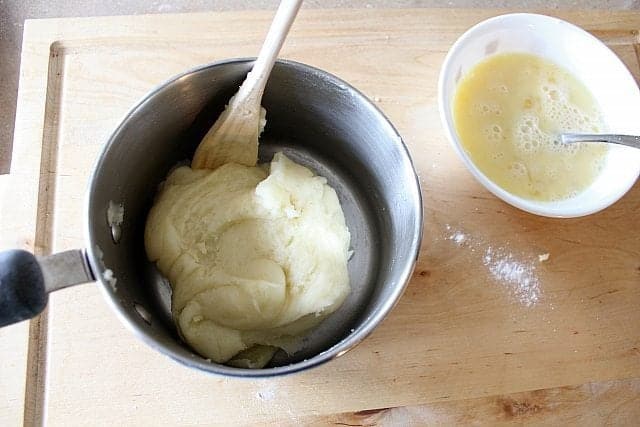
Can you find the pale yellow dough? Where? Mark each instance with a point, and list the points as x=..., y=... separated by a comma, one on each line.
x=255, y=255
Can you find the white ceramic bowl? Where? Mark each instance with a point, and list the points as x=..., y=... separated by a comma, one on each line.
x=588, y=59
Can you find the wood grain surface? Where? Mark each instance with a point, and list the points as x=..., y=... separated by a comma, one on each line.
x=612, y=403
x=482, y=318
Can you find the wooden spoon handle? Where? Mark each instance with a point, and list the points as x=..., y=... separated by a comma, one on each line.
x=234, y=136
x=285, y=15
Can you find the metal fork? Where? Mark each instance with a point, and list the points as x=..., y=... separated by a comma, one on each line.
x=628, y=140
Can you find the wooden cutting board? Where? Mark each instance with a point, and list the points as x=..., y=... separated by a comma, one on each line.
x=482, y=316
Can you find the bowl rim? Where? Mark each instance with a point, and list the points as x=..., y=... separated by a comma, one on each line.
x=192, y=360
x=548, y=209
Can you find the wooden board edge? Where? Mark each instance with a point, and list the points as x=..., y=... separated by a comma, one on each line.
x=29, y=197
x=614, y=402
x=41, y=233
x=37, y=355
x=68, y=30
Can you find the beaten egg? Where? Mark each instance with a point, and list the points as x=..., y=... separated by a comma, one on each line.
x=509, y=111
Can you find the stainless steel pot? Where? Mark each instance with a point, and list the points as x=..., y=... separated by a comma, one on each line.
x=317, y=120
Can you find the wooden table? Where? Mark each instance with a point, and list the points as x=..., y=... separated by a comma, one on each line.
x=557, y=341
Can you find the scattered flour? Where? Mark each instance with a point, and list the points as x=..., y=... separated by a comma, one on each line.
x=266, y=393
x=278, y=402
x=543, y=257
x=458, y=237
x=515, y=271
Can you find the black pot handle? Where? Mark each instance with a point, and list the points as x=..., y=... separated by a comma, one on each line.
x=25, y=281
x=22, y=292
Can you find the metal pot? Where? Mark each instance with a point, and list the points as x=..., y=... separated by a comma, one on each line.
x=317, y=120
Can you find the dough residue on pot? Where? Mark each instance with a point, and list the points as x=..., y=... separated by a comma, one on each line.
x=255, y=255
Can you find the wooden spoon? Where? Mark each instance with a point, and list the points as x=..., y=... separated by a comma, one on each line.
x=234, y=136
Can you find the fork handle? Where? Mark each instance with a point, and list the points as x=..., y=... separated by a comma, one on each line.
x=628, y=140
